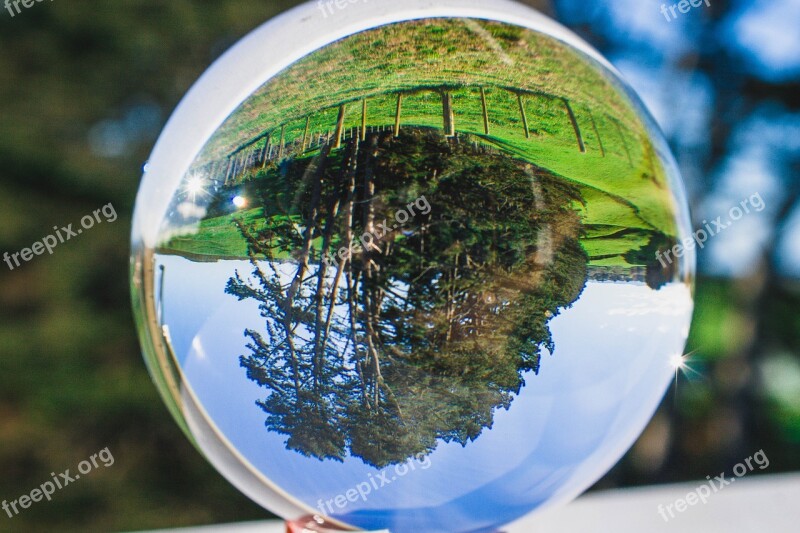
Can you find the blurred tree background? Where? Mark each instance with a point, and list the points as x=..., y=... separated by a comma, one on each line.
x=85, y=88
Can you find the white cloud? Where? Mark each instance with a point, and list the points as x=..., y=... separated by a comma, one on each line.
x=769, y=32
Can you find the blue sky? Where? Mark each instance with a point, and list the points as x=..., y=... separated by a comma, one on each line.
x=567, y=427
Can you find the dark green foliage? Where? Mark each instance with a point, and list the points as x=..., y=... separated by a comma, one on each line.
x=445, y=311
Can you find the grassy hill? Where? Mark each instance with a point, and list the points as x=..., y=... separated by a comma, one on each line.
x=531, y=86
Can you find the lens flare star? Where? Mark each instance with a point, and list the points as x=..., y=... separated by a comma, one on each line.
x=195, y=185
x=680, y=363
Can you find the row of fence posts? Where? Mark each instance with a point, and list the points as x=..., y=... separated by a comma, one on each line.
x=243, y=160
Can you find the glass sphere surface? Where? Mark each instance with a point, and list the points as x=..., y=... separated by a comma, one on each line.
x=416, y=272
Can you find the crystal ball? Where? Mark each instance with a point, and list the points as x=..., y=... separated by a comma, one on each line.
x=412, y=268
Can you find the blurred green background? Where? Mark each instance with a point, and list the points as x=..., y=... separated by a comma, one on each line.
x=85, y=88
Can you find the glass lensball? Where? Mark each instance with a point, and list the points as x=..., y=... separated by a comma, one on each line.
x=415, y=272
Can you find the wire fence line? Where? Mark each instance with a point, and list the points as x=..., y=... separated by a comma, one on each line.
x=276, y=144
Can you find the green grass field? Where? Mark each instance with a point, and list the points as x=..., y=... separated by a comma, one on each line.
x=623, y=184
x=217, y=237
x=432, y=53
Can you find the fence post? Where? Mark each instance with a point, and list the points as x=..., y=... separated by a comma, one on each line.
x=448, y=114
x=282, y=141
x=485, y=112
x=363, y=120
x=575, y=125
x=339, y=127
x=265, y=151
x=397, y=114
x=624, y=142
x=305, y=134
x=228, y=168
x=597, y=133
x=524, y=116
